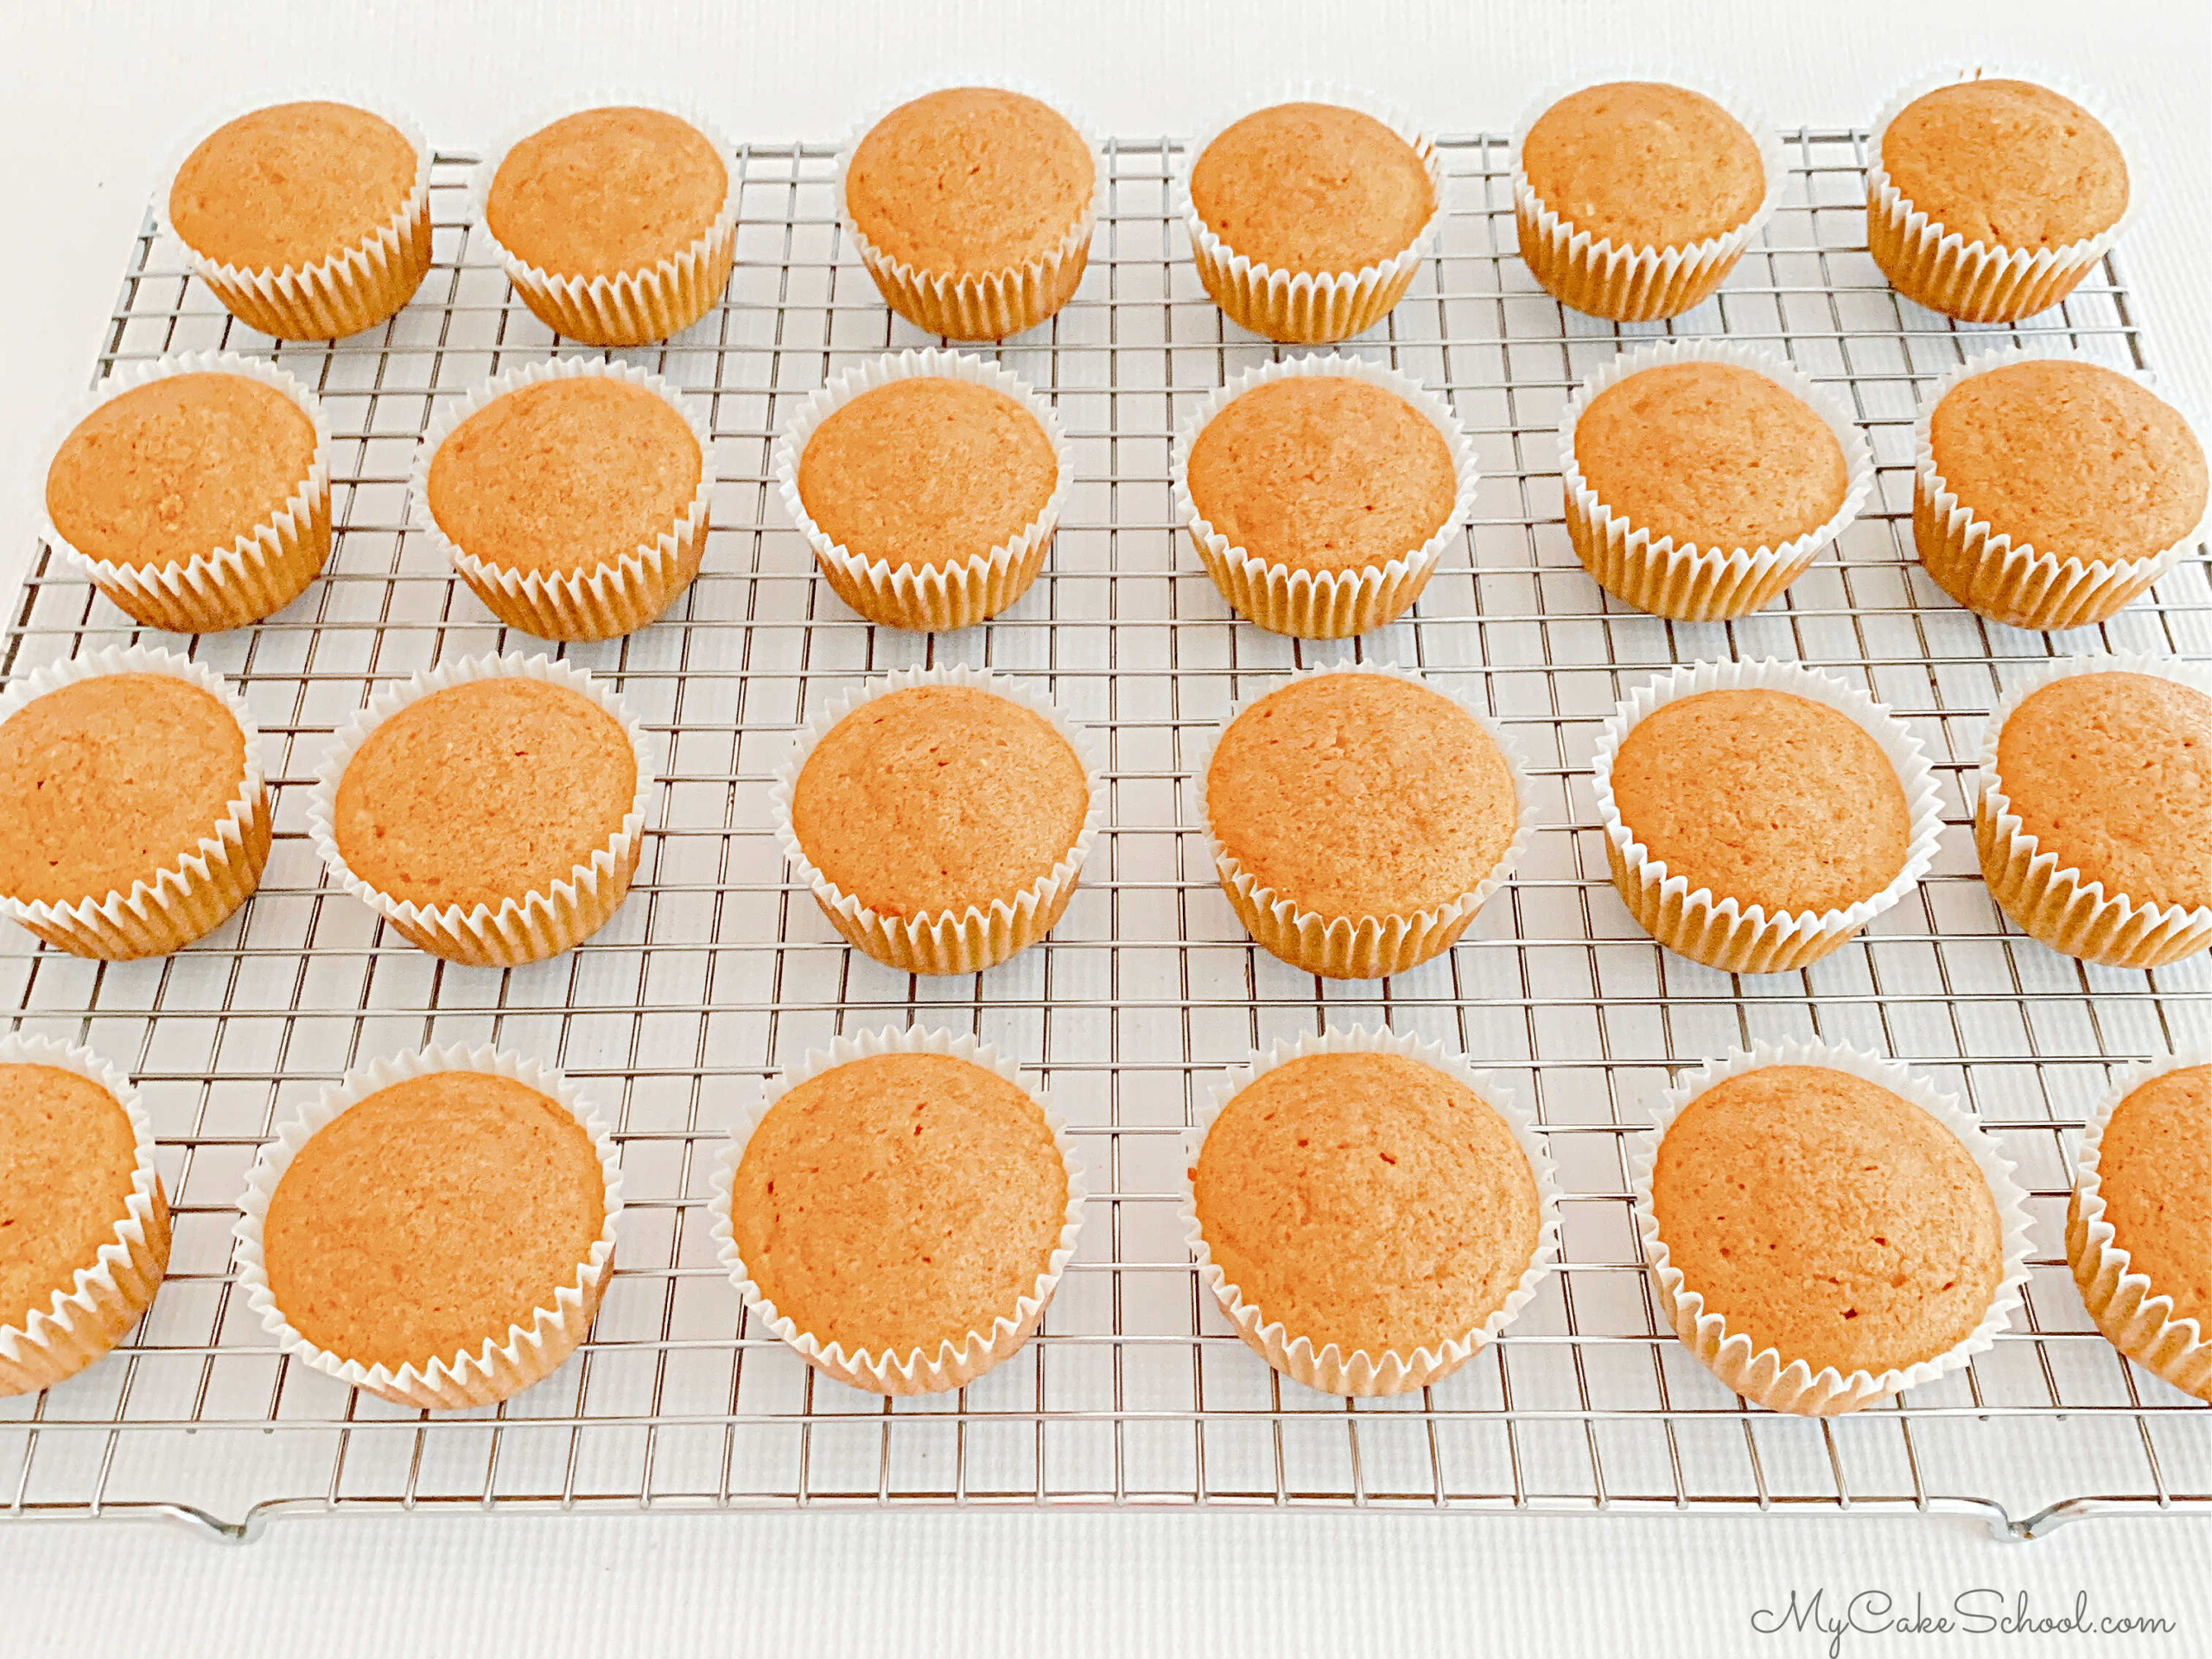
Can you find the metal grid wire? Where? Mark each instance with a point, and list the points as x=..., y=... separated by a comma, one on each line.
x=718, y=969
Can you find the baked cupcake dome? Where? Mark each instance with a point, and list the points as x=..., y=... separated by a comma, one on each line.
x=479, y=1179
x=1307, y=792
x=616, y=225
x=1307, y=217
x=84, y=1222
x=1823, y=1230
x=1702, y=478
x=195, y=491
x=972, y=208
x=1757, y=815
x=2092, y=820
x=899, y=1210
x=1634, y=199
x=2049, y=491
x=133, y=815
x=571, y=496
x=309, y=220
x=940, y=817
x=1990, y=200
x=1322, y=492
x=1367, y=1209
x=928, y=485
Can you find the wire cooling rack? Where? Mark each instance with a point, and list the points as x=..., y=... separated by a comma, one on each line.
x=719, y=968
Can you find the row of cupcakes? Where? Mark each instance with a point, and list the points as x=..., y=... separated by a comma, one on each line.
x=1821, y=1228
x=1756, y=816
x=972, y=208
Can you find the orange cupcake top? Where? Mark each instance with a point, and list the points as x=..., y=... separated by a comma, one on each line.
x=1310, y=187
x=605, y=191
x=1641, y=164
x=2007, y=164
x=2154, y=1171
x=292, y=184
x=67, y=1154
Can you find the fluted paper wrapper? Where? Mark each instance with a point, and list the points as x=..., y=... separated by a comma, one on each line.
x=1980, y=281
x=1682, y=581
x=527, y=928
x=940, y=942
x=955, y=594
x=106, y=1294
x=1365, y=947
x=507, y=1362
x=614, y=598
x=266, y=568
x=1393, y=1371
x=631, y=308
x=1323, y=604
x=1312, y=308
x=1636, y=284
x=192, y=897
x=1766, y=1377
x=1748, y=938
x=988, y=305
x=2050, y=902
x=2014, y=582
x=2135, y=1314
x=955, y=1362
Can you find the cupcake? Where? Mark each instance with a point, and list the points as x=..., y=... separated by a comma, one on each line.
x=940, y=817
x=1634, y=199
x=491, y=810
x=1823, y=1230
x=571, y=496
x=2093, y=818
x=1308, y=795
x=929, y=486
x=84, y=1223
x=133, y=817
x=475, y=1180
x=972, y=208
x=1322, y=492
x=2049, y=490
x=309, y=220
x=1368, y=1211
x=615, y=225
x=898, y=1210
x=1308, y=218
x=2139, y=1229
x=1702, y=478
x=1757, y=815
x=195, y=491
x=1989, y=199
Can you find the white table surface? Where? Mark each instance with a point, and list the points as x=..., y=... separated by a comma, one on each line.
x=94, y=100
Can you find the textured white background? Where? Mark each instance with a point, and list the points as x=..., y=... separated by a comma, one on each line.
x=92, y=99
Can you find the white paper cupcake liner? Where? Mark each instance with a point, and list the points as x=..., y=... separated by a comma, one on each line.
x=1323, y=604
x=1365, y=947
x=266, y=568
x=2135, y=1317
x=954, y=1365
x=1723, y=933
x=1976, y=282
x=2051, y=903
x=600, y=603
x=2013, y=583
x=540, y=924
x=106, y=1295
x=1764, y=1378
x=1311, y=307
x=507, y=1362
x=191, y=897
x=1638, y=284
x=343, y=293
x=1330, y=1369
x=1683, y=580
x=632, y=307
x=956, y=594
x=996, y=303
x=940, y=942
